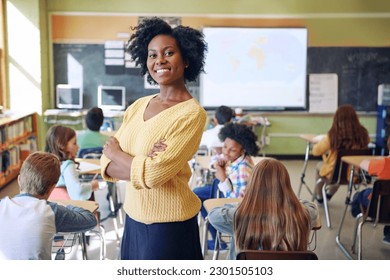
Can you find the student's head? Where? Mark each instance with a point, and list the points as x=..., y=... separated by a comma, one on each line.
x=61, y=141
x=182, y=46
x=94, y=118
x=270, y=216
x=237, y=140
x=346, y=131
x=224, y=114
x=39, y=174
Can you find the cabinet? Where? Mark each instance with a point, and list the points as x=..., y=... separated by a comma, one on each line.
x=382, y=128
x=18, y=138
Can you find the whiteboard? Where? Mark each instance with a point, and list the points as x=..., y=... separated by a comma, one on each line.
x=255, y=68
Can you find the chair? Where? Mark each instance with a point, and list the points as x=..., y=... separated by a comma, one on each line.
x=112, y=195
x=209, y=204
x=90, y=152
x=340, y=176
x=276, y=255
x=378, y=212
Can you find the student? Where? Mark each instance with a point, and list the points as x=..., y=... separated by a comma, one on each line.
x=61, y=141
x=346, y=133
x=210, y=139
x=91, y=137
x=233, y=167
x=28, y=221
x=381, y=169
x=161, y=210
x=270, y=216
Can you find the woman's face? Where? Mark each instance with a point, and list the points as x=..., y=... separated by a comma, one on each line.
x=72, y=147
x=165, y=63
x=232, y=150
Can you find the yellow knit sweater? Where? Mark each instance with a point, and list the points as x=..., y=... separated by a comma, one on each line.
x=158, y=190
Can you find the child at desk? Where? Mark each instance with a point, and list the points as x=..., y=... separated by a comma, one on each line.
x=61, y=141
x=269, y=194
x=92, y=138
x=28, y=221
x=346, y=133
x=233, y=167
x=223, y=115
x=381, y=169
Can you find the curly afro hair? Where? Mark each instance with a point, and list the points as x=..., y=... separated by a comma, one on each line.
x=190, y=41
x=243, y=135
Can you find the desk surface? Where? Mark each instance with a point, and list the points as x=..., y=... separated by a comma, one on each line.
x=312, y=138
x=89, y=166
x=356, y=160
x=86, y=204
x=211, y=203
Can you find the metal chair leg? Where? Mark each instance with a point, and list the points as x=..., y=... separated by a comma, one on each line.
x=326, y=208
x=216, y=245
x=204, y=237
x=354, y=243
x=359, y=236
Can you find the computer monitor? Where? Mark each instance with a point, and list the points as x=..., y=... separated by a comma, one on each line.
x=69, y=97
x=111, y=97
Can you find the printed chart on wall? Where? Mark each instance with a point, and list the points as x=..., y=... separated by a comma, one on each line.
x=257, y=68
x=323, y=93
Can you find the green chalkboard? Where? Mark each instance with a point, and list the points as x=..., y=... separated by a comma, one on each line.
x=360, y=71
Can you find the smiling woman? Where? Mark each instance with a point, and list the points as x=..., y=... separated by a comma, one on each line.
x=159, y=135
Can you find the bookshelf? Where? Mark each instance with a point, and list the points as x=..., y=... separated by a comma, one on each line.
x=18, y=138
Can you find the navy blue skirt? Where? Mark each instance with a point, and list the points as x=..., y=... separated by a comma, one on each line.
x=161, y=241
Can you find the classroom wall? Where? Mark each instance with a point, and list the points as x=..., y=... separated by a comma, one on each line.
x=333, y=23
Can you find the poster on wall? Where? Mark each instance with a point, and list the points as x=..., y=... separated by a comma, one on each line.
x=323, y=92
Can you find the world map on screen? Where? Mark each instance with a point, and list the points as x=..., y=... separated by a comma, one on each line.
x=249, y=67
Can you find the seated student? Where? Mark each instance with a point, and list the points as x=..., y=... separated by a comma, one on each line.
x=270, y=216
x=346, y=133
x=233, y=167
x=381, y=169
x=223, y=115
x=28, y=221
x=91, y=137
x=61, y=141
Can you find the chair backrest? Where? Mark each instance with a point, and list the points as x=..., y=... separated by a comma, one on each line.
x=379, y=207
x=90, y=152
x=276, y=255
x=340, y=172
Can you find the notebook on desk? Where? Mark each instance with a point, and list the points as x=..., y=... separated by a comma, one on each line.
x=86, y=167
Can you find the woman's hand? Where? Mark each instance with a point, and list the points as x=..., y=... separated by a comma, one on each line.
x=159, y=146
x=111, y=148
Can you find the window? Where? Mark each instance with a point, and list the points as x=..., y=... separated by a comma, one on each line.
x=3, y=85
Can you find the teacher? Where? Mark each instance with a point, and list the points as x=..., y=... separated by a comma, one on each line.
x=160, y=133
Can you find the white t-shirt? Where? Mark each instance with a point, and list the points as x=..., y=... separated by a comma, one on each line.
x=210, y=137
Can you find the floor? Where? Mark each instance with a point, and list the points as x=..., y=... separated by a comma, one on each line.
x=326, y=248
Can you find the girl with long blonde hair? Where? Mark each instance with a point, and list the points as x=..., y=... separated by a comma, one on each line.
x=270, y=216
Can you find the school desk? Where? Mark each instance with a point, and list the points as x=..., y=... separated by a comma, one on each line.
x=310, y=140
x=353, y=161
x=92, y=206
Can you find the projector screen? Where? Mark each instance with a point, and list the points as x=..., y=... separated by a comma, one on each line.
x=255, y=68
